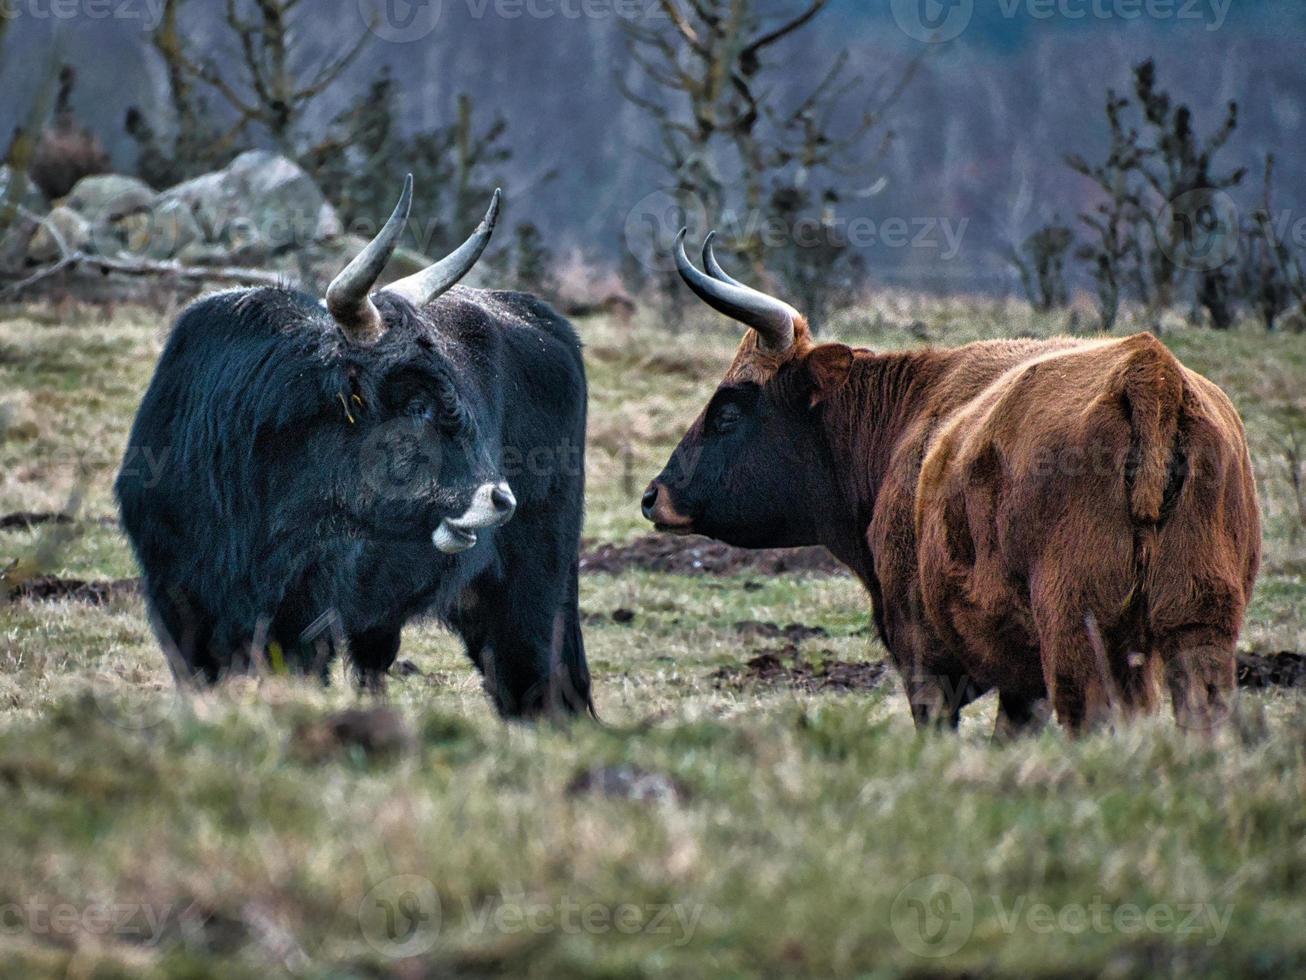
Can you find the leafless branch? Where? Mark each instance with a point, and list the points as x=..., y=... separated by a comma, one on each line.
x=70, y=258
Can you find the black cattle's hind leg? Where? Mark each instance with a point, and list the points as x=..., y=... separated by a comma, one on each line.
x=522, y=649
x=372, y=653
x=570, y=670
x=302, y=641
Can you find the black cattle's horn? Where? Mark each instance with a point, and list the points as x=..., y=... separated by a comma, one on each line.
x=773, y=319
x=348, y=297
x=422, y=287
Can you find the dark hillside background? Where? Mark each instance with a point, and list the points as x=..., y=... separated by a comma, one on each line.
x=982, y=129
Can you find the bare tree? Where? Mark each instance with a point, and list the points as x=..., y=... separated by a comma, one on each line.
x=727, y=140
x=1041, y=263
x=1162, y=203
x=1180, y=170
x=66, y=150
x=1114, y=256
x=200, y=143
x=363, y=155
x=1270, y=274
x=277, y=84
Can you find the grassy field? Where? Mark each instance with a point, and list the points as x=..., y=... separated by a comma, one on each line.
x=712, y=825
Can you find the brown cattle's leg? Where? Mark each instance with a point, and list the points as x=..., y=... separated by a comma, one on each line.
x=937, y=699
x=1133, y=675
x=1020, y=715
x=936, y=685
x=1078, y=680
x=1200, y=670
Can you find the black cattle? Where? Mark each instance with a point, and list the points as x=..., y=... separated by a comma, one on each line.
x=324, y=472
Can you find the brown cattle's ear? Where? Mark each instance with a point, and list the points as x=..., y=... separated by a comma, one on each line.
x=828, y=366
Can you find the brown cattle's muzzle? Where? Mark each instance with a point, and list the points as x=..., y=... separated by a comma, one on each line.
x=659, y=509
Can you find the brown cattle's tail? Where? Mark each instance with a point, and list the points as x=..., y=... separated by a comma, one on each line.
x=1151, y=387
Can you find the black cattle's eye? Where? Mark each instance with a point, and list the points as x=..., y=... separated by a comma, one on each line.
x=419, y=410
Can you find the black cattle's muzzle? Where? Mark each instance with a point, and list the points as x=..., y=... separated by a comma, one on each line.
x=492, y=506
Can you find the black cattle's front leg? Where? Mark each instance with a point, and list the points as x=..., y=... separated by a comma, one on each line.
x=185, y=632
x=528, y=649
x=521, y=627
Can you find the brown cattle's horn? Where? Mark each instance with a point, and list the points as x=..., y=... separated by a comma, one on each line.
x=422, y=287
x=347, y=298
x=712, y=266
x=773, y=319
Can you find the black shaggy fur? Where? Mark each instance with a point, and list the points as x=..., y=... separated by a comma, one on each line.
x=297, y=479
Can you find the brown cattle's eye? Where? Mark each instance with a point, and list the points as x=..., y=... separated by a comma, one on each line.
x=727, y=417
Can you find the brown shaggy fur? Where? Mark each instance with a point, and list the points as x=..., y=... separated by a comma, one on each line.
x=1065, y=519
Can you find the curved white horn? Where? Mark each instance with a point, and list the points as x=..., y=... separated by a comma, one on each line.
x=422, y=287
x=347, y=298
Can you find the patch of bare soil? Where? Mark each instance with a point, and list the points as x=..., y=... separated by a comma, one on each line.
x=1283, y=669
x=22, y=520
x=25, y=520
x=377, y=732
x=628, y=782
x=786, y=666
x=621, y=616
x=755, y=629
x=694, y=555
x=49, y=587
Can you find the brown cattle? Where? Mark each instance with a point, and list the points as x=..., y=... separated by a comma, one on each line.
x=1067, y=519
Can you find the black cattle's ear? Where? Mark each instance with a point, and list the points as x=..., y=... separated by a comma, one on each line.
x=828, y=366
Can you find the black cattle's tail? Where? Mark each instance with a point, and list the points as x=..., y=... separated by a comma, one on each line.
x=570, y=673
